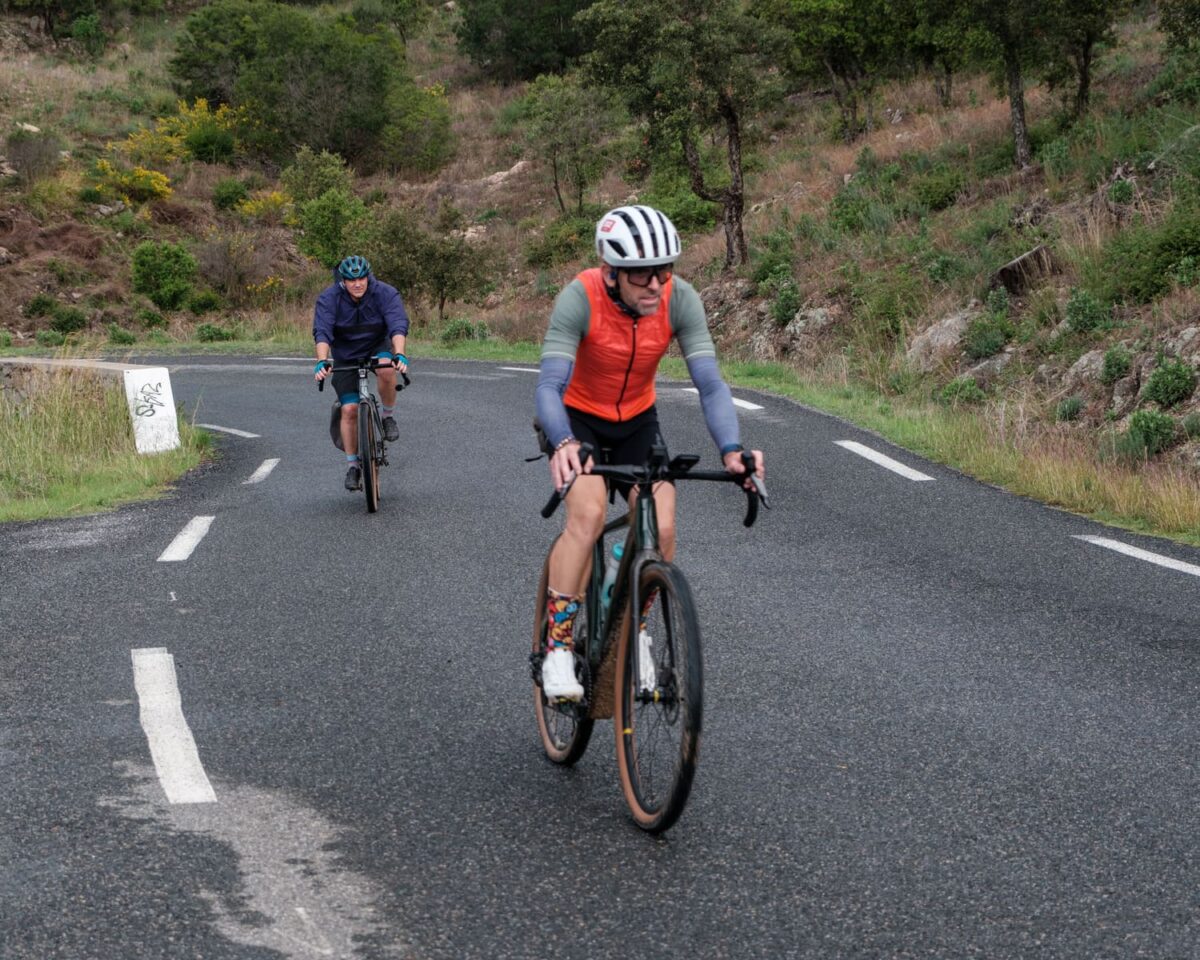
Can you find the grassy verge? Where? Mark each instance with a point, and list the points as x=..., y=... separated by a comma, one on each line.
x=68, y=449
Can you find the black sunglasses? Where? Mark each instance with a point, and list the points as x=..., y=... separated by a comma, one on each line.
x=640, y=276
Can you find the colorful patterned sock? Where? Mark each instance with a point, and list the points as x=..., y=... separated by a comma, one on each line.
x=560, y=619
x=386, y=410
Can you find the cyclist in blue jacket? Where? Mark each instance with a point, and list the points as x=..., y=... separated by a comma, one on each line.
x=360, y=316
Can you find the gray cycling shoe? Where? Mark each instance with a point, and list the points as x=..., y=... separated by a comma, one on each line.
x=391, y=432
x=354, y=477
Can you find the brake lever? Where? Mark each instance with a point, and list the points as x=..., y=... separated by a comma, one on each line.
x=585, y=452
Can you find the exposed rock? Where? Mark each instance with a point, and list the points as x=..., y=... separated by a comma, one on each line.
x=28, y=128
x=986, y=372
x=1125, y=394
x=496, y=179
x=6, y=257
x=938, y=344
x=1030, y=214
x=1186, y=345
x=1044, y=375
x=108, y=210
x=1085, y=371
x=1019, y=275
x=811, y=320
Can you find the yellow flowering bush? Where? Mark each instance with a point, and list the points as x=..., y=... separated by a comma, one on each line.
x=268, y=293
x=266, y=206
x=138, y=185
x=196, y=132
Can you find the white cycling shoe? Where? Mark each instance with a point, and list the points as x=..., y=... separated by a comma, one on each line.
x=647, y=670
x=558, y=676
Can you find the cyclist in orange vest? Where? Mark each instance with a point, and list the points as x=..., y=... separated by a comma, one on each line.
x=608, y=332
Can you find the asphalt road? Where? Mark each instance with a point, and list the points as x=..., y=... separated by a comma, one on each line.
x=938, y=724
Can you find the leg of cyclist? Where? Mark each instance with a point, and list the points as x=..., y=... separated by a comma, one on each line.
x=570, y=563
x=385, y=379
x=349, y=428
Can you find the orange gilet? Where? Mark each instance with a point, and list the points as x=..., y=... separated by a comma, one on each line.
x=616, y=361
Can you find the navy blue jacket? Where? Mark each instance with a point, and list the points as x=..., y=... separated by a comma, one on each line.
x=353, y=330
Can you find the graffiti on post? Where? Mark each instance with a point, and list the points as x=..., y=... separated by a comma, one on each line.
x=148, y=399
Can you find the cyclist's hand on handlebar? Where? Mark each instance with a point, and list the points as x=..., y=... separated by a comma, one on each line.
x=401, y=362
x=322, y=370
x=565, y=465
x=733, y=463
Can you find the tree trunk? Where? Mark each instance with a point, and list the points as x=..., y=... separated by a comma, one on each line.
x=1016, y=103
x=735, y=204
x=943, y=83
x=562, y=207
x=1083, y=69
x=846, y=94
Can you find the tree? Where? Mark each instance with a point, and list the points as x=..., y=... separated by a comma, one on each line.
x=326, y=223
x=407, y=17
x=690, y=68
x=520, y=39
x=852, y=43
x=565, y=127
x=1017, y=30
x=1181, y=22
x=214, y=46
x=936, y=41
x=1076, y=29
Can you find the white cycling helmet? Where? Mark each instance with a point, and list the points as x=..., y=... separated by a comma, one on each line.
x=637, y=237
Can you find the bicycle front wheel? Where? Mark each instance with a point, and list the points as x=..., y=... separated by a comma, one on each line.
x=659, y=700
x=368, y=439
x=565, y=729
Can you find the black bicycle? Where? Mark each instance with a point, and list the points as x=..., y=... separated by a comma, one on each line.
x=644, y=669
x=372, y=448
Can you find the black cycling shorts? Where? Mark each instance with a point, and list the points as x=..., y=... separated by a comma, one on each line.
x=345, y=382
x=625, y=441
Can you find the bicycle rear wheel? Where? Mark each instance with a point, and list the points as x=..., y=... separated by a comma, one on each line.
x=658, y=726
x=565, y=729
x=368, y=440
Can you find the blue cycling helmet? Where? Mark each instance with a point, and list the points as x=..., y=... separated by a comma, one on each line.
x=353, y=268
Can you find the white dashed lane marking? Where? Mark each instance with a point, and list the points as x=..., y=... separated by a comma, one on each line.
x=182, y=546
x=884, y=461
x=744, y=404
x=264, y=471
x=160, y=712
x=236, y=433
x=521, y=369
x=1146, y=555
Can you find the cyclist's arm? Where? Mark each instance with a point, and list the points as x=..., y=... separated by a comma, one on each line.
x=690, y=327
x=568, y=325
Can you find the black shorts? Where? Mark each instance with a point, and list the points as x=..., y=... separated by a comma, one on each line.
x=626, y=441
x=345, y=382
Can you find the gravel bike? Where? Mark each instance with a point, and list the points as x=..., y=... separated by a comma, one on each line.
x=372, y=448
x=643, y=670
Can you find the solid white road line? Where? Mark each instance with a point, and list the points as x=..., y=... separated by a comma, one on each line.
x=236, y=433
x=744, y=404
x=1146, y=555
x=264, y=470
x=521, y=369
x=182, y=546
x=171, y=744
x=876, y=457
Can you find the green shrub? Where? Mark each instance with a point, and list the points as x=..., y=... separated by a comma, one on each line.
x=1117, y=362
x=203, y=301
x=41, y=305
x=163, y=272
x=986, y=336
x=1121, y=191
x=89, y=34
x=212, y=333
x=210, y=141
x=68, y=319
x=1171, y=382
x=944, y=267
x=150, y=319
x=460, y=329
x=1190, y=425
x=228, y=193
x=998, y=302
x=939, y=188
x=120, y=336
x=1085, y=313
x=49, y=338
x=1151, y=431
x=5, y=340
x=1186, y=272
x=962, y=390
x=1068, y=409
x=1055, y=156
x=1140, y=262
x=34, y=154
x=773, y=259
x=326, y=223
x=92, y=194
x=561, y=241
x=419, y=137
x=311, y=174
